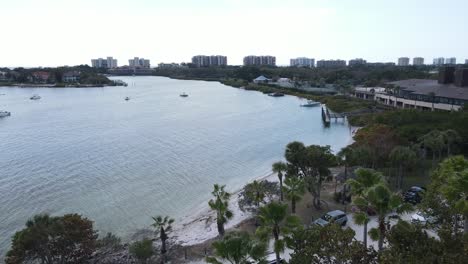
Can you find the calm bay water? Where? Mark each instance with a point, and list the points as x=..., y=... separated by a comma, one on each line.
x=86, y=150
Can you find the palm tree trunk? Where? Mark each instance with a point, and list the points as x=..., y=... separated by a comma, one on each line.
x=276, y=236
x=466, y=225
x=382, y=232
x=220, y=228
x=281, y=188
x=293, y=205
x=365, y=235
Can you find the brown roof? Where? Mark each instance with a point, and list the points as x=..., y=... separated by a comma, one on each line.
x=425, y=87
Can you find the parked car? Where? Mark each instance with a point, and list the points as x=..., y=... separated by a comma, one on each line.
x=338, y=217
x=414, y=195
x=423, y=218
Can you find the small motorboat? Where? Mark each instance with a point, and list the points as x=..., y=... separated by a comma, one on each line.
x=276, y=94
x=127, y=98
x=183, y=95
x=4, y=113
x=35, y=97
x=310, y=103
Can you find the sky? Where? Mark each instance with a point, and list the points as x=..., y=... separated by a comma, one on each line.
x=71, y=32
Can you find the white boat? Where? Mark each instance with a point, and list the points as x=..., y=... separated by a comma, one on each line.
x=310, y=104
x=183, y=95
x=35, y=97
x=4, y=113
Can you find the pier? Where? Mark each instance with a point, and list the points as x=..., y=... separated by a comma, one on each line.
x=327, y=116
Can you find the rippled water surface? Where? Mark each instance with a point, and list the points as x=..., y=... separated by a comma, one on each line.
x=118, y=162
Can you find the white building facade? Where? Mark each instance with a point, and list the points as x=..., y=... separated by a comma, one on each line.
x=417, y=61
x=108, y=63
x=403, y=61
x=139, y=63
x=451, y=61
x=302, y=62
x=439, y=61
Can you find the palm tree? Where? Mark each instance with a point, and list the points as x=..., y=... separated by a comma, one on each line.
x=450, y=137
x=294, y=189
x=403, y=157
x=365, y=179
x=383, y=201
x=238, y=248
x=279, y=168
x=433, y=140
x=346, y=158
x=257, y=192
x=220, y=204
x=274, y=220
x=163, y=226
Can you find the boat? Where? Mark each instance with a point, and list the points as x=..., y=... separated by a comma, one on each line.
x=183, y=95
x=4, y=113
x=35, y=97
x=310, y=103
x=276, y=94
x=127, y=98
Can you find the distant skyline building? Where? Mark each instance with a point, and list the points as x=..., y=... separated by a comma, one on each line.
x=438, y=61
x=466, y=61
x=207, y=61
x=356, y=62
x=331, y=63
x=108, y=63
x=259, y=60
x=139, y=63
x=403, y=61
x=451, y=61
x=302, y=62
x=417, y=61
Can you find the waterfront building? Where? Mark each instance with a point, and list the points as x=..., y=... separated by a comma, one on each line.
x=170, y=65
x=331, y=63
x=261, y=79
x=3, y=75
x=449, y=92
x=403, y=61
x=418, y=61
x=259, y=60
x=438, y=61
x=139, y=63
x=71, y=77
x=108, y=63
x=356, y=62
x=41, y=77
x=302, y=62
x=208, y=61
x=380, y=64
x=451, y=61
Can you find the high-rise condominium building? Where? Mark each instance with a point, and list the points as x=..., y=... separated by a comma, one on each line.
x=418, y=61
x=302, y=62
x=356, y=62
x=139, y=63
x=259, y=60
x=331, y=63
x=466, y=61
x=108, y=63
x=439, y=61
x=451, y=61
x=207, y=61
x=403, y=61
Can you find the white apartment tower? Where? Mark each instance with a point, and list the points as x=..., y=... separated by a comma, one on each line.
x=417, y=61
x=302, y=62
x=139, y=63
x=439, y=61
x=108, y=63
x=451, y=61
x=403, y=61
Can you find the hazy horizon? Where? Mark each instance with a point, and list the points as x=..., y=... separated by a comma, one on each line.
x=56, y=33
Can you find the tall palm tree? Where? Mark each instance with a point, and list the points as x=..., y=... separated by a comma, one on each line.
x=238, y=248
x=365, y=179
x=220, y=204
x=450, y=137
x=163, y=226
x=280, y=168
x=274, y=220
x=383, y=201
x=257, y=192
x=403, y=157
x=433, y=140
x=294, y=188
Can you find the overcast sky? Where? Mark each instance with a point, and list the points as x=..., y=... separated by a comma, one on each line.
x=71, y=32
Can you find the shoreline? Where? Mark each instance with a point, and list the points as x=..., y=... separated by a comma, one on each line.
x=17, y=85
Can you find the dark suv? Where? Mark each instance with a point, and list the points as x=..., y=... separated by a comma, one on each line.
x=414, y=195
